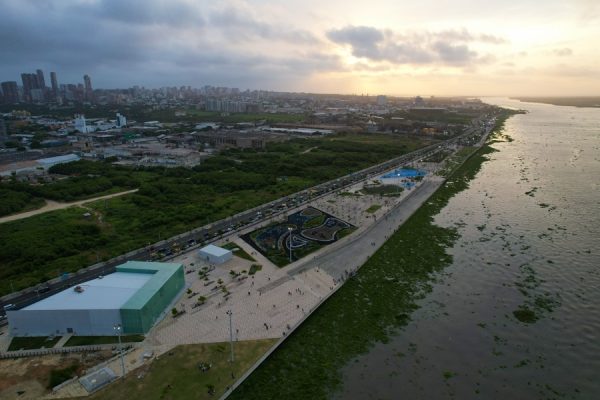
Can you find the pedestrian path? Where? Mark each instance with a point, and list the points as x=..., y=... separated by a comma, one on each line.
x=62, y=341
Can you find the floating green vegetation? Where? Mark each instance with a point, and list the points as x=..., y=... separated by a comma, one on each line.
x=449, y=374
x=525, y=314
x=370, y=307
x=536, y=303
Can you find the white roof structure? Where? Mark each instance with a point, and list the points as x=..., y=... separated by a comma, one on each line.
x=58, y=159
x=108, y=293
x=215, y=250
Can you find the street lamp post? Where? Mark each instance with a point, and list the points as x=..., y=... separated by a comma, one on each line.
x=117, y=328
x=230, y=334
x=290, y=230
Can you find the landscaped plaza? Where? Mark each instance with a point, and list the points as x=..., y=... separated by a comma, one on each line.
x=302, y=233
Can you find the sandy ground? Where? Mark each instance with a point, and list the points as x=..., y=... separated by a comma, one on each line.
x=54, y=205
x=27, y=378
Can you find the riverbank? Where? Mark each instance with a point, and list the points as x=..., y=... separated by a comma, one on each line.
x=369, y=307
x=593, y=102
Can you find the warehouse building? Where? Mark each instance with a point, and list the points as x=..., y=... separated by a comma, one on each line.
x=133, y=297
x=215, y=255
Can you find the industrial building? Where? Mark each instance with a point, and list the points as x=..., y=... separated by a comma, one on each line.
x=214, y=254
x=133, y=297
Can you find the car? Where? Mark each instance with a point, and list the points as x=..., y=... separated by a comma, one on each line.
x=45, y=289
x=9, y=306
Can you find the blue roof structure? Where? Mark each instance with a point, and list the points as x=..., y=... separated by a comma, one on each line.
x=107, y=293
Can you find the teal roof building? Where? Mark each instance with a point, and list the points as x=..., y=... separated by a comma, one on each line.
x=143, y=309
x=134, y=297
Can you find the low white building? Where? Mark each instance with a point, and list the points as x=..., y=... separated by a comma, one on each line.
x=214, y=254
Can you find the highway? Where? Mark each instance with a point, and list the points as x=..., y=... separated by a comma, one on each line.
x=167, y=249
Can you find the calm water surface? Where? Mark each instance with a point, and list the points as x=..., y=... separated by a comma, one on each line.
x=530, y=240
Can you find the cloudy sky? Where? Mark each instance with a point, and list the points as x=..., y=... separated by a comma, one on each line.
x=396, y=47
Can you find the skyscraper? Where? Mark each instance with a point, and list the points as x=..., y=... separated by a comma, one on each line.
x=40, y=79
x=88, y=87
x=29, y=82
x=11, y=92
x=54, y=82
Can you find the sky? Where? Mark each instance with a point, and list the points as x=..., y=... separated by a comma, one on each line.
x=396, y=47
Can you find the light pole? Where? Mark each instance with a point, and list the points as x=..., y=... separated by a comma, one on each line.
x=230, y=334
x=290, y=230
x=117, y=328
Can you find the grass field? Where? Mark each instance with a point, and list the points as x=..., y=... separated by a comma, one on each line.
x=384, y=190
x=176, y=375
x=238, y=251
x=33, y=342
x=373, y=208
x=94, y=340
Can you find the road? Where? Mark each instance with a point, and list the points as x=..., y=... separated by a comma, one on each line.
x=164, y=250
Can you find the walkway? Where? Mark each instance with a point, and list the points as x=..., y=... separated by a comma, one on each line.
x=54, y=205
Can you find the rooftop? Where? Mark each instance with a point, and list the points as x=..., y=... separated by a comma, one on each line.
x=159, y=274
x=108, y=293
x=58, y=159
x=214, y=250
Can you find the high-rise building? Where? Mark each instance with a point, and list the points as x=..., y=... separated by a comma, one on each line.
x=2, y=129
x=40, y=79
x=54, y=83
x=88, y=87
x=30, y=82
x=11, y=92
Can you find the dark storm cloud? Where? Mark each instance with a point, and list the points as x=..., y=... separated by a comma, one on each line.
x=150, y=42
x=240, y=25
x=144, y=12
x=450, y=47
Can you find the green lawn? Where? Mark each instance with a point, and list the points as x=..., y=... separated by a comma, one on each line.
x=176, y=374
x=93, y=340
x=254, y=268
x=311, y=223
x=373, y=208
x=383, y=190
x=238, y=251
x=34, y=342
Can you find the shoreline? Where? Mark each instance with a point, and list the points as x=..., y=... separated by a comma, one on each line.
x=579, y=102
x=252, y=384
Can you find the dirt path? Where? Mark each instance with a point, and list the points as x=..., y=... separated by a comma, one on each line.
x=309, y=150
x=54, y=205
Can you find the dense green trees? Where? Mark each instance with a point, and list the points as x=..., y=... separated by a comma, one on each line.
x=169, y=200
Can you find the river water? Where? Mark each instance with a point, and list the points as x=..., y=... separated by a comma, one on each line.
x=529, y=227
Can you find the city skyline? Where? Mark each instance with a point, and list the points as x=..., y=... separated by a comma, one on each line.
x=513, y=48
